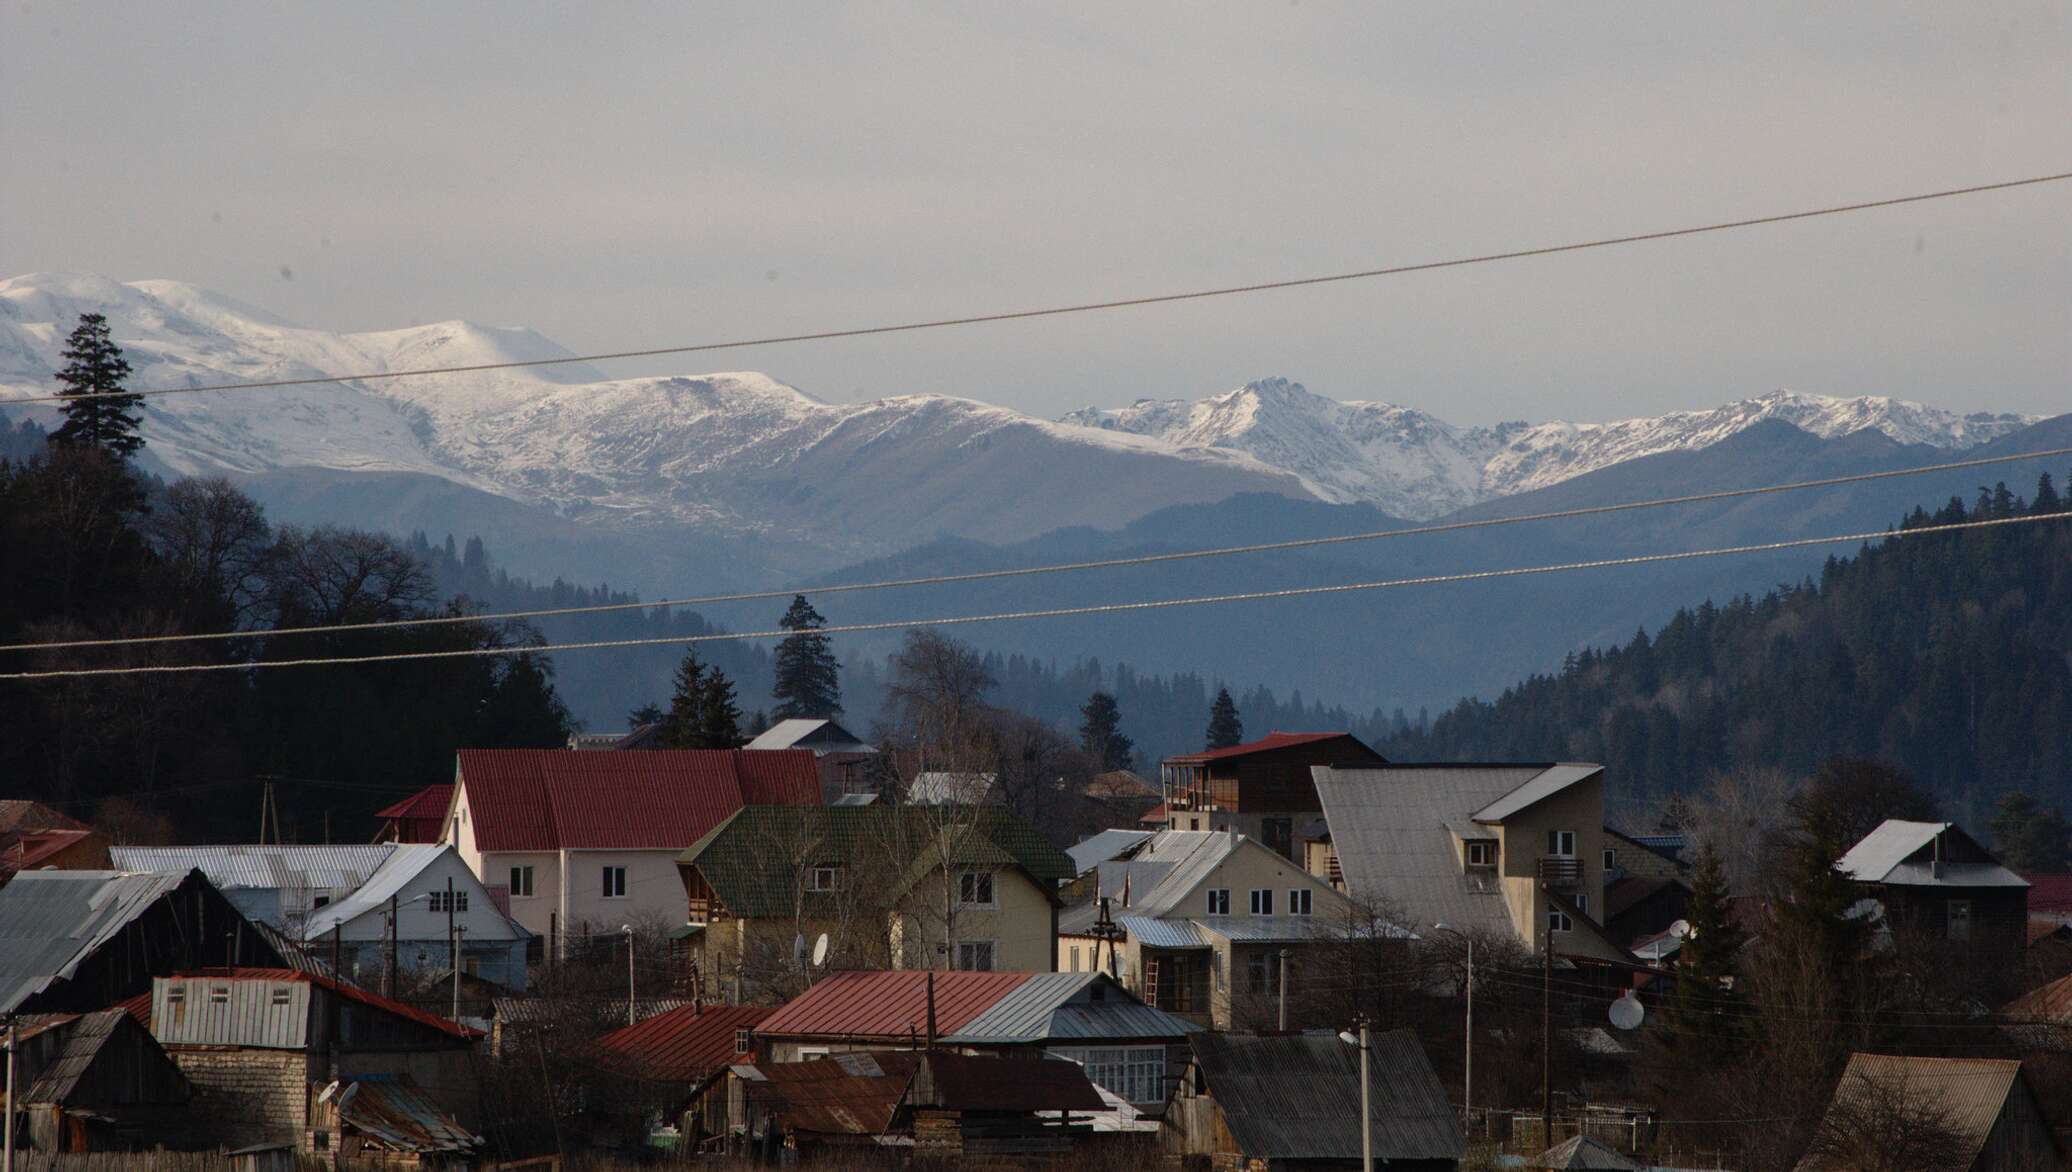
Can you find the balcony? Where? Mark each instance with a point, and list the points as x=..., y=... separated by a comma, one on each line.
x=1561, y=871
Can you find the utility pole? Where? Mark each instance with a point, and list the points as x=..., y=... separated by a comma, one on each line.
x=388, y=962
x=1366, y=1110
x=9, y=1140
x=458, y=932
x=335, y=951
x=453, y=946
x=1547, y=1047
x=630, y=1017
x=1467, y=1078
x=1285, y=954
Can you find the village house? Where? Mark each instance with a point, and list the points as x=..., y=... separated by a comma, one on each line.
x=672, y=1067
x=1984, y=1107
x=273, y=1053
x=1512, y=851
x=98, y=1082
x=847, y=764
x=1269, y=1103
x=1201, y=918
x=33, y=836
x=80, y=941
x=1125, y=1046
x=902, y=887
x=276, y=885
x=421, y=817
x=1933, y=879
x=585, y=843
x=1261, y=789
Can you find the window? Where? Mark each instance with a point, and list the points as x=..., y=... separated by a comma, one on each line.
x=1558, y=922
x=279, y=997
x=1562, y=843
x=320, y=901
x=1298, y=901
x=615, y=883
x=743, y=1041
x=175, y=994
x=1219, y=901
x=1582, y=903
x=1958, y=914
x=975, y=889
x=975, y=955
x=1611, y=859
x=1263, y=973
x=1262, y=901
x=521, y=880
x=1481, y=854
x=437, y=901
x=219, y=995
x=823, y=878
x=1075, y=959
x=1136, y=1074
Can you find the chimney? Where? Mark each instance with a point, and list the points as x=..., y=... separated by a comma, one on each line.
x=1936, y=868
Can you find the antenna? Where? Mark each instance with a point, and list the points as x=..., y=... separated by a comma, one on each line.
x=1627, y=1012
x=820, y=951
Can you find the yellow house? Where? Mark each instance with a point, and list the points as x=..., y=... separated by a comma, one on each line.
x=1200, y=919
x=1511, y=850
x=895, y=887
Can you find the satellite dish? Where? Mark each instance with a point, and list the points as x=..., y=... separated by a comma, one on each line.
x=798, y=949
x=1681, y=930
x=1627, y=1012
x=820, y=951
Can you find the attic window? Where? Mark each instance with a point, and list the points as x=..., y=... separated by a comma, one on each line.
x=743, y=1040
x=219, y=995
x=175, y=994
x=823, y=878
x=1481, y=853
x=280, y=997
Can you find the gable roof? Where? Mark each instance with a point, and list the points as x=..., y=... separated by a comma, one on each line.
x=51, y=921
x=21, y=816
x=805, y=732
x=1971, y=1092
x=335, y=868
x=751, y=859
x=889, y=1005
x=340, y=988
x=1898, y=853
x=1063, y=1006
x=638, y=799
x=86, y=1036
x=405, y=862
x=1272, y=742
x=1297, y=1097
x=1550, y=781
x=1103, y=846
x=689, y=1044
x=430, y=802
x=34, y=848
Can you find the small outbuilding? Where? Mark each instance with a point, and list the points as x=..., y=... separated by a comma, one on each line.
x=1960, y=1114
x=98, y=1082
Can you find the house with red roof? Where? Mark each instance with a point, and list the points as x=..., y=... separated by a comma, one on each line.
x=417, y=818
x=586, y=843
x=669, y=1066
x=1261, y=789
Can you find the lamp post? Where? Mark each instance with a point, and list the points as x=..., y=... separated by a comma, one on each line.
x=1366, y=1113
x=1467, y=1079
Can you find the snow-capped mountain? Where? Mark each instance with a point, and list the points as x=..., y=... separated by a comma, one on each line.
x=741, y=454
x=1414, y=464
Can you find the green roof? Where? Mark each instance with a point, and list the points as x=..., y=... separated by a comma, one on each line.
x=756, y=861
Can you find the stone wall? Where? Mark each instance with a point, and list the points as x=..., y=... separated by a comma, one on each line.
x=248, y=1096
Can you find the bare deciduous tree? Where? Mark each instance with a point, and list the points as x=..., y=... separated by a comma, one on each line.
x=1886, y=1124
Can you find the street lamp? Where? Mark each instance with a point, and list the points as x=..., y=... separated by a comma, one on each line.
x=1366, y=1113
x=1467, y=1080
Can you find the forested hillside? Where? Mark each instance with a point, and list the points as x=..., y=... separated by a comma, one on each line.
x=1946, y=655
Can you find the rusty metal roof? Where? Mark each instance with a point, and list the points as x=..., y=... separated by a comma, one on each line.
x=984, y=1082
x=549, y=799
x=391, y=1110
x=685, y=1045
x=1273, y=741
x=1969, y=1093
x=852, y=1094
x=429, y=802
x=1297, y=1097
x=889, y=1006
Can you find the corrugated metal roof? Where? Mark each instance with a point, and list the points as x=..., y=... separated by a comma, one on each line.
x=1104, y=846
x=1057, y=1006
x=831, y=1097
x=319, y=868
x=1297, y=1097
x=989, y=1083
x=391, y=1110
x=685, y=1045
x=889, y=1005
x=84, y=1037
x=404, y=863
x=260, y=1013
x=430, y=802
x=1580, y=1153
x=825, y=737
x=953, y=789
x=1969, y=1093
x=1548, y=782
x=52, y=920
x=529, y=1010
x=1900, y=853
x=638, y=799
x=1151, y=932
x=1269, y=743
x=199, y=979
x=2050, y=1003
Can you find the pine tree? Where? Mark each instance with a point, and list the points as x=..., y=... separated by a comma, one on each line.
x=683, y=724
x=1708, y=1007
x=1101, y=732
x=719, y=720
x=646, y=714
x=809, y=680
x=523, y=711
x=1225, y=728
x=97, y=411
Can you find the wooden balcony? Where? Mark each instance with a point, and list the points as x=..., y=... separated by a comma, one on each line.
x=1561, y=871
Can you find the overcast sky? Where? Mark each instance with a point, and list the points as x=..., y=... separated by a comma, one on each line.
x=625, y=175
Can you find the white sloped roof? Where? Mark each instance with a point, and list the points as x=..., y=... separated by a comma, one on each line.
x=1543, y=785
x=407, y=863
x=1887, y=855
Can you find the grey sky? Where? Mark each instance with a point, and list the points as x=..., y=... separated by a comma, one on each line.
x=626, y=175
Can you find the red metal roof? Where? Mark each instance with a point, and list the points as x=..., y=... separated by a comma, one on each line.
x=1265, y=744
x=662, y=799
x=888, y=1005
x=2050, y=892
x=685, y=1045
x=429, y=802
x=342, y=989
x=138, y=1007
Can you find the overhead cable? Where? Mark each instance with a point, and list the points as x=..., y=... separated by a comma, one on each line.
x=1056, y=568
x=1048, y=613
x=1094, y=306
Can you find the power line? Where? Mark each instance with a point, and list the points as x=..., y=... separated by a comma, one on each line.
x=1093, y=306
x=1055, y=612
x=1056, y=568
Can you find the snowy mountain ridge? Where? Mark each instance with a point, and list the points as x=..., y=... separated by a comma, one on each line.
x=743, y=454
x=1415, y=464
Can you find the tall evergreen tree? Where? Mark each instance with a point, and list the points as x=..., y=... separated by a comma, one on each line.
x=719, y=719
x=1100, y=733
x=646, y=714
x=683, y=723
x=1708, y=1007
x=809, y=680
x=522, y=710
x=97, y=411
x=1225, y=728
